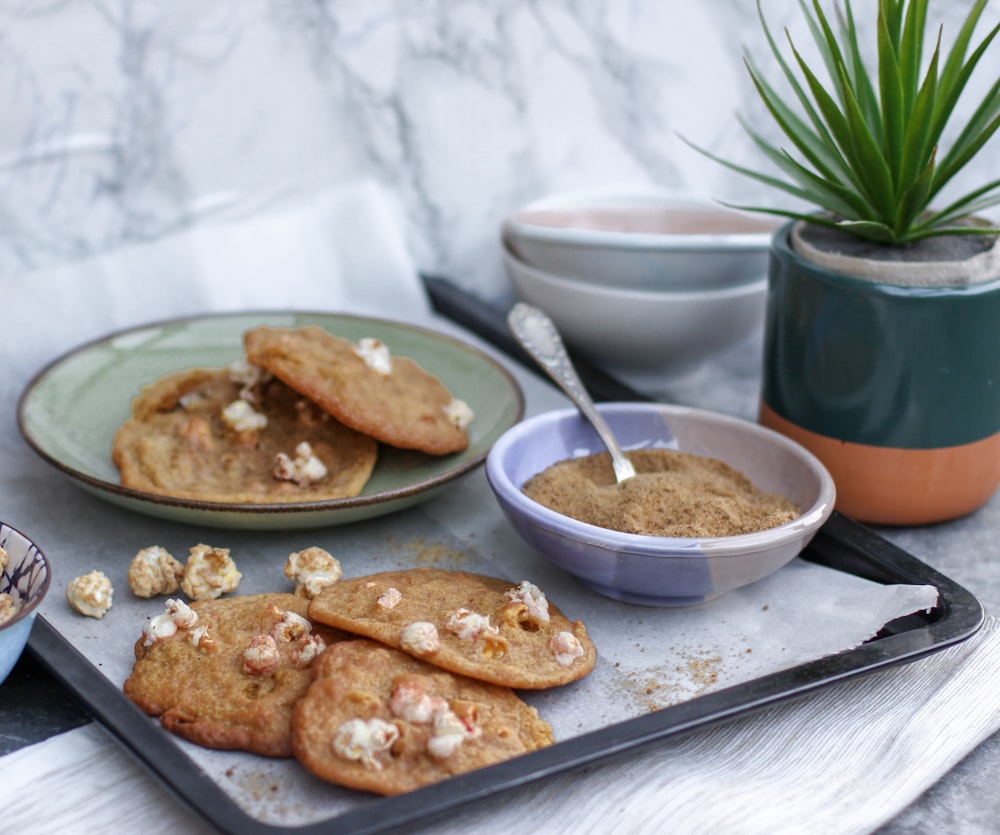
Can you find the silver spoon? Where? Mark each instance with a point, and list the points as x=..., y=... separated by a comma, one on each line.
x=538, y=336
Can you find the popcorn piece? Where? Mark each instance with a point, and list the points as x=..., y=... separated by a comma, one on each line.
x=291, y=627
x=154, y=571
x=308, y=651
x=536, y=606
x=240, y=416
x=459, y=413
x=313, y=569
x=566, y=647
x=183, y=615
x=305, y=468
x=178, y=615
x=469, y=626
x=249, y=376
x=376, y=355
x=367, y=741
x=261, y=655
x=411, y=702
x=9, y=604
x=209, y=573
x=390, y=598
x=449, y=733
x=90, y=594
x=420, y=637
x=9, y=607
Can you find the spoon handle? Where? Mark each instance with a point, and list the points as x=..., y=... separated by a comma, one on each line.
x=539, y=337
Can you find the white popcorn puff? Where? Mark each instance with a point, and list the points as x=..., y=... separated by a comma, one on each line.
x=4, y=559
x=411, y=701
x=209, y=573
x=248, y=376
x=390, y=598
x=183, y=615
x=308, y=651
x=178, y=615
x=459, y=413
x=154, y=571
x=420, y=637
x=291, y=627
x=566, y=648
x=240, y=416
x=313, y=569
x=160, y=627
x=305, y=468
x=261, y=655
x=366, y=741
x=533, y=599
x=90, y=594
x=376, y=355
x=469, y=626
x=449, y=733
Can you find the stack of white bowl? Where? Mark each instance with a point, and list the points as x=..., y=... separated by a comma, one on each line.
x=640, y=280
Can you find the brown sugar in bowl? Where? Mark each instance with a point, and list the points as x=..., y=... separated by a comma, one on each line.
x=660, y=570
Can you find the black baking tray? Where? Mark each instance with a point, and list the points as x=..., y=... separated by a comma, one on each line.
x=841, y=544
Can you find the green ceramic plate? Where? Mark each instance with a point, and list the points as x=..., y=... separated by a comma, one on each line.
x=70, y=411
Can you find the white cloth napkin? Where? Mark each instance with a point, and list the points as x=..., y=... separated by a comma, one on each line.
x=841, y=761
x=341, y=251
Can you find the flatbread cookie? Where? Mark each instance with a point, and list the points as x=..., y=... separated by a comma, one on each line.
x=390, y=398
x=225, y=673
x=382, y=721
x=482, y=627
x=215, y=434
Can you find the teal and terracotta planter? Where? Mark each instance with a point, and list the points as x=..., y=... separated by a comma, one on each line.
x=895, y=389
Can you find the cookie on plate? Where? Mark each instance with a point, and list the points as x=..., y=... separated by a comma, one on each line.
x=482, y=627
x=225, y=435
x=388, y=397
x=226, y=673
x=382, y=721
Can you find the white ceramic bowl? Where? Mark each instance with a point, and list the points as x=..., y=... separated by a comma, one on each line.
x=26, y=578
x=653, y=570
x=638, y=331
x=641, y=239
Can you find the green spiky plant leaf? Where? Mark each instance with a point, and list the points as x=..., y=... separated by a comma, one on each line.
x=865, y=147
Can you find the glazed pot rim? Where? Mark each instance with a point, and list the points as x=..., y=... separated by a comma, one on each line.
x=782, y=249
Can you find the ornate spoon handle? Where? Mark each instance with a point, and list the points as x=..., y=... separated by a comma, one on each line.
x=538, y=336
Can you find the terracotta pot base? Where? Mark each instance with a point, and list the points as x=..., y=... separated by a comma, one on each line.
x=890, y=486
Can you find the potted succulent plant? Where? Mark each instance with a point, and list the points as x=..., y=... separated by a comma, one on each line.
x=882, y=331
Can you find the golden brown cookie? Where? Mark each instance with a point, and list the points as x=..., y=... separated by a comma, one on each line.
x=379, y=720
x=390, y=398
x=225, y=673
x=482, y=627
x=215, y=435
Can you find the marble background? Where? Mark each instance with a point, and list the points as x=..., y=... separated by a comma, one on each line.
x=127, y=120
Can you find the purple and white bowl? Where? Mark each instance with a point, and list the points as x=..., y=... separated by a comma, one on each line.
x=26, y=579
x=656, y=570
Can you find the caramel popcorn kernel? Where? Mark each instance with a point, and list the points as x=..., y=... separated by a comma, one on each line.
x=209, y=573
x=154, y=571
x=90, y=594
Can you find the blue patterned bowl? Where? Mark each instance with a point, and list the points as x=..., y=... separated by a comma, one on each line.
x=654, y=570
x=26, y=580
